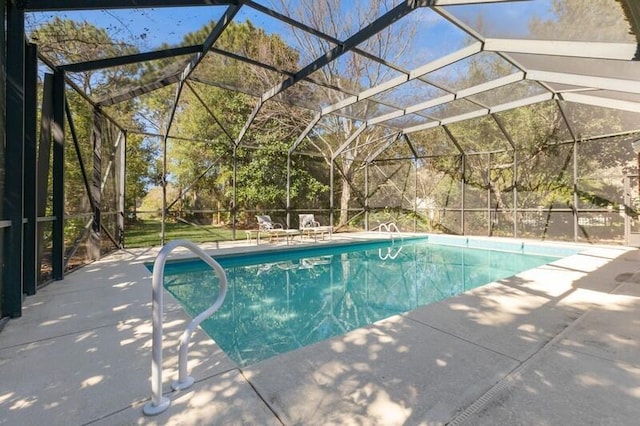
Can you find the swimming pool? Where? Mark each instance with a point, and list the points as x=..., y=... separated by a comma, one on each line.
x=280, y=301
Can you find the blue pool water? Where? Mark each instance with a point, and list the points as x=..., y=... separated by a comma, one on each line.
x=280, y=301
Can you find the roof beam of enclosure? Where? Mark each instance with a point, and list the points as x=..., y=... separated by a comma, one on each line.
x=461, y=2
x=453, y=140
x=499, y=82
x=503, y=129
x=141, y=90
x=224, y=21
x=165, y=81
x=594, y=82
x=210, y=112
x=322, y=35
x=376, y=26
x=373, y=28
x=371, y=157
x=575, y=49
x=131, y=59
x=476, y=35
x=497, y=108
x=305, y=132
x=219, y=85
x=270, y=68
x=566, y=120
x=62, y=5
x=411, y=147
x=84, y=96
x=395, y=82
x=215, y=33
x=348, y=142
x=600, y=101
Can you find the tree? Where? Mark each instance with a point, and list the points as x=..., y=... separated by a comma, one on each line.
x=352, y=73
x=66, y=41
x=214, y=108
x=543, y=143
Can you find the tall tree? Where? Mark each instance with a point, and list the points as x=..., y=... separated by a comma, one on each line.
x=352, y=73
x=64, y=41
x=214, y=108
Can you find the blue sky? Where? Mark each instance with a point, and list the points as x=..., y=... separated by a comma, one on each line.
x=149, y=28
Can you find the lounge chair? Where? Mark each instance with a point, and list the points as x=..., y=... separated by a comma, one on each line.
x=265, y=223
x=310, y=226
x=274, y=229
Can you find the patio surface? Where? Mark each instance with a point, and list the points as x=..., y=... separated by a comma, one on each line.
x=559, y=344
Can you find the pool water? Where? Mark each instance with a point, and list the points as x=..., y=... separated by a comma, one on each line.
x=281, y=301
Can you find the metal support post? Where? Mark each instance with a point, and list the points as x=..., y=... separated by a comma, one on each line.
x=58, y=175
x=366, y=196
x=30, y=166
x=96, y=192
x=331, y=201
x=288, y=189
x=12, y=278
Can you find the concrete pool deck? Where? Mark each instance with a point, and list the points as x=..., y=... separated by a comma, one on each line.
x=559, y=344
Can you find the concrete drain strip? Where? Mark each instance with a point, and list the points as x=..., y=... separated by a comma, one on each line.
x=481, y=402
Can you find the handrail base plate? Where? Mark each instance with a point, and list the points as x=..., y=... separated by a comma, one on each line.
x=179, y=385
x=150, y=409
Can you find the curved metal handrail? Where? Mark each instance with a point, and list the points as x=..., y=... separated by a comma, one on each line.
x=159, y=403
x=392, y=229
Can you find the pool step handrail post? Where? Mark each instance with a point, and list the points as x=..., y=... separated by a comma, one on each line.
x=160, y=403
x=184, y=380
x=392, y=229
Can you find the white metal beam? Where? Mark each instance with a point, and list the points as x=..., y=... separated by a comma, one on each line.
x=348, y=142
x=601, y=102
x=428, y=104
x=305, y=132
x=576, y=49
x=465, y=116
x=420, y=127
x=418, y=72
x=522, y=102
x=385, y=117
x=606, y=83
x=493, y=84
x=489, y=85
x=449, y=59
x=479, y=113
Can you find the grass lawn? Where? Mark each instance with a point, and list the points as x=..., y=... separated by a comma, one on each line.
x=145, y=233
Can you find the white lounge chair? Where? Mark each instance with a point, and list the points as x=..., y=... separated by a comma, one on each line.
x=310, y=226
x=274, y=229
x=265, y=223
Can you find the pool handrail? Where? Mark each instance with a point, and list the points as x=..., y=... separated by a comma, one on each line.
x=159, y=403
x=391, y=228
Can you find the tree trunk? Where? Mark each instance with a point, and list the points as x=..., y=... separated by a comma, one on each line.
x=344, y=202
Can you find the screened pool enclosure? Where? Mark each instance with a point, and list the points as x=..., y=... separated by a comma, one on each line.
x=469, y=117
